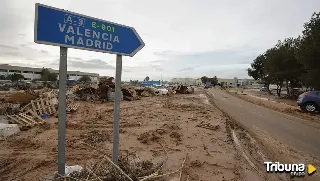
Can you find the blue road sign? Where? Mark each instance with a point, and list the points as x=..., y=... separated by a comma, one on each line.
x=67, y=29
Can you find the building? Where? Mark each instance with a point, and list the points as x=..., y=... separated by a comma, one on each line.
x=149, y=83
x=186, y=81
x=227, y=82
x=247, y=82
x=35, y=73
x=235, y=81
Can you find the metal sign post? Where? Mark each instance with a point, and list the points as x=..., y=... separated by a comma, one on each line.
x=62, y=110
x=67, y=29
x=117, y=100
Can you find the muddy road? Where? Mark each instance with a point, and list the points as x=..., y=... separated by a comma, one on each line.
x=275, y=128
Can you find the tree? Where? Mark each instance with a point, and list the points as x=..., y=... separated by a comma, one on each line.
x=147, y=78
x=46, y=75
x=293, y=69
x=15, y=77
x=275, y=66
x=204, y=79
x=85, y=78
x=294, y=61
x=308, y=52
x=235, y=79
x=258, y=71
x=213, y=80
x=257, y=68
x=282, y=66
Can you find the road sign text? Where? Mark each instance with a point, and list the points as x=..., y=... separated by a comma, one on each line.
x=63, y=28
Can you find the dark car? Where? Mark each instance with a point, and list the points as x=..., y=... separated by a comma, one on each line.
x=309, y=101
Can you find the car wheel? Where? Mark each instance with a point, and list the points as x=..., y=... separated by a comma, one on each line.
x=310, y=107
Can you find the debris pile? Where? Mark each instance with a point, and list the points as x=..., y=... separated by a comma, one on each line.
x=7, y=85
x=30, y=108
x=107, y=85
x=128, y=168
x=181, y=89
x=146, y=91
x=129, y=94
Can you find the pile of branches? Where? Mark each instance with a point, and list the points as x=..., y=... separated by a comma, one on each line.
x=106, y=171
x=129, y=168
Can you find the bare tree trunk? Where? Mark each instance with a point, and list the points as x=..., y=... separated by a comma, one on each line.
x=287, y=86
x=268, y=88
x=279, y=90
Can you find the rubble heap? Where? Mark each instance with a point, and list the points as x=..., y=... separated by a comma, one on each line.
x=181, y=89
x=107, y=84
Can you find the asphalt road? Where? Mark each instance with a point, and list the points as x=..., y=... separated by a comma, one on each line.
x=289, y=129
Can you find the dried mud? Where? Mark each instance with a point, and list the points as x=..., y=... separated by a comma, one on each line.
x=156, y=130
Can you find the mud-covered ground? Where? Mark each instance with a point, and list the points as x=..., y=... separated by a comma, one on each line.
x=272, y=102
x=158, y=129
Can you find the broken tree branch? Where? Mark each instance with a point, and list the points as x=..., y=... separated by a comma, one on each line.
x=113, y=164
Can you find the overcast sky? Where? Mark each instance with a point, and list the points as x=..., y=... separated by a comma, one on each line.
x=184, y=38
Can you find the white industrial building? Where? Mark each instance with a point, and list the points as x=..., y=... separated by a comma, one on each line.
x=35, y=73
x=186, y=81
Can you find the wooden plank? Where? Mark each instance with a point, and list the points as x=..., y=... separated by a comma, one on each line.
x=52, y=106
x=33, y=106
x=75, y=106
x=25, y=107
x=36, y=115
x=15, y=120
x=43, y=106
x=25, y=121
x=48, y=106
x=39, y=108
x=29, y=118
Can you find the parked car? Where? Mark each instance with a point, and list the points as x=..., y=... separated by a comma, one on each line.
x=162, y=90
x=208, y=85
x=263, y=89
x=309, y=101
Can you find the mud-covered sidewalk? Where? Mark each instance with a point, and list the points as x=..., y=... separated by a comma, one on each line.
x=163, y=129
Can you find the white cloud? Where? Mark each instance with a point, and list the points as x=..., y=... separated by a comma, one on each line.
x=183, y=37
